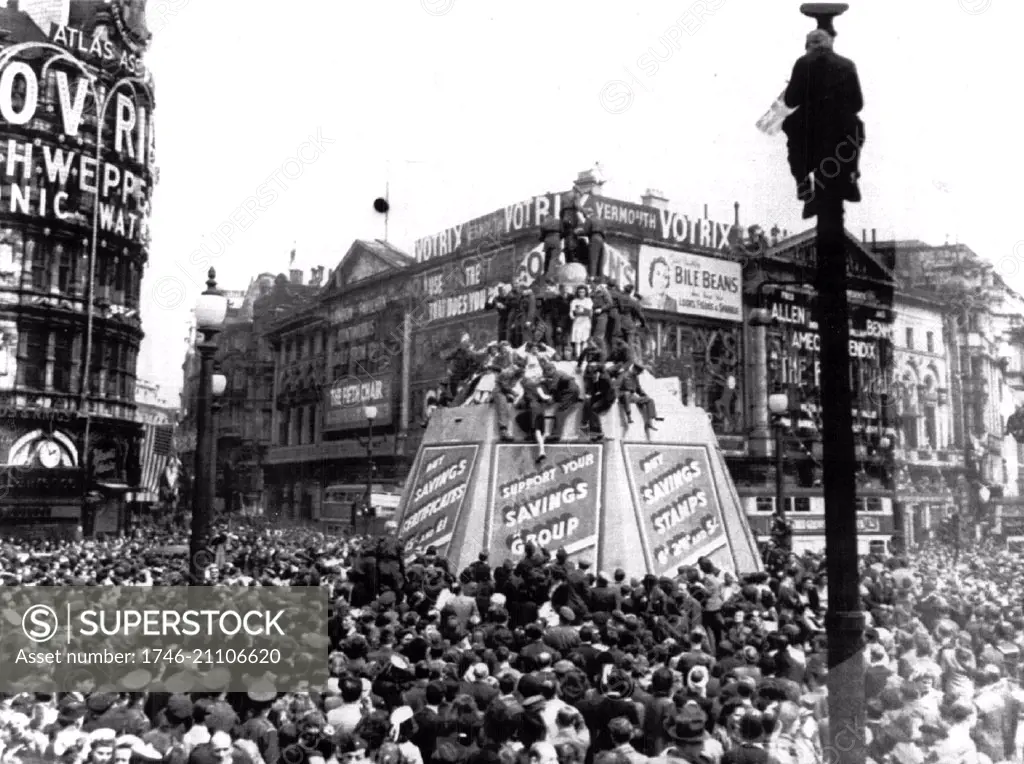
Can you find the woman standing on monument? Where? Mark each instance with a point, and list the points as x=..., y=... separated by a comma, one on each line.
x=581, y=309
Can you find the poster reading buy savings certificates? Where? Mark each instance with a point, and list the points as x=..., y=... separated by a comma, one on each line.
x=436, y=497
x=677, y=503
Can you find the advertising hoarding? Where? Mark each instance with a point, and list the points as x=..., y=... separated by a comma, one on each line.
x=347, y=397
x=677, y=502
x=692, y=285
x=557, y=505
x=436, y=496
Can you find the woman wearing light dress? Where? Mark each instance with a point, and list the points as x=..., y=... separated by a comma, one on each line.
x=581, y=309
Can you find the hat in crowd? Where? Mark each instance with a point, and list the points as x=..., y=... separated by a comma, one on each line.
x=99, y=703
x=178, y=709
x=688, y=725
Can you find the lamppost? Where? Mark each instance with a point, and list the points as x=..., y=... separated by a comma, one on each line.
x=370, y=412
x=218, y=383
x=825, y=137
x=984, y=494
x=778, y=406
x=211, y=309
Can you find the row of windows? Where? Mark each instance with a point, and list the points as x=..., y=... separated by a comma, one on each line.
x=48, y=264
x=803, y=504
x=929, y=340
x=112, y=367
x=297, y=426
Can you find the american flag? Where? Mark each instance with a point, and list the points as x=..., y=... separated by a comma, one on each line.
x=157, y=446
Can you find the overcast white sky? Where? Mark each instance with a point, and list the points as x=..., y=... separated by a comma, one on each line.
x=469, y=106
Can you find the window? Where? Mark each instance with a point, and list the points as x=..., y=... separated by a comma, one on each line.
x=32, y=358
x=802, y=504
x=311, y=425
x=931, y=427
x=40, y=266
x=669, y=339
x=929, y=339
x=63, y=352
x=910, y=338
x=66, y=271
x=283, y=427
x=111, y=362
x=765, y=504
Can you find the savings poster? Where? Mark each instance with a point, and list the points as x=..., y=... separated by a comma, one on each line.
x=677, y=503
x=556, y=505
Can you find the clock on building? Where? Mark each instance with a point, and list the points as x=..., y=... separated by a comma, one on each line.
x=49, y=454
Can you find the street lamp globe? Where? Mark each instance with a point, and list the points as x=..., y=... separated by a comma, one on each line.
x=778, y=403
x=370, y=412
x=212, y=306
x=218, y=383
x=984, y=494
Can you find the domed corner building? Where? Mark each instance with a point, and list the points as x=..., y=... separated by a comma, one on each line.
x=77, y=170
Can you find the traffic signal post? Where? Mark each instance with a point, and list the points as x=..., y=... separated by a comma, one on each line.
x=825, y=136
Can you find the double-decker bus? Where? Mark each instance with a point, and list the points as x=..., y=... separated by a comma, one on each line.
x=805, y=509
x=344, y=508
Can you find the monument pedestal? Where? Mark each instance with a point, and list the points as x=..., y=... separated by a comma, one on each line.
x=643, y=505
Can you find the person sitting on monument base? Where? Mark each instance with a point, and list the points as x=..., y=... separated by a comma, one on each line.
x=508, y=391
x=565, y=393
x=599, y=395
x=630, y=393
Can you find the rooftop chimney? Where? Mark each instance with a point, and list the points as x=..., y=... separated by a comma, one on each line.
x=588, y=182
x=296, y=277
x=316, y=276
x=736, y=214
x=654, y=198
x=873, y=240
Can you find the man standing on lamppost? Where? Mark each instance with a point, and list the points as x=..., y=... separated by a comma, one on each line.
x=825, y=138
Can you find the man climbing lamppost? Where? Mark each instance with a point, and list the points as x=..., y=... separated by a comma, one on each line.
x=825, y=137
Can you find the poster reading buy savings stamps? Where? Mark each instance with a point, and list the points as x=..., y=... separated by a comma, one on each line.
x=554, y=505
x=436, y=497
x=677, y=503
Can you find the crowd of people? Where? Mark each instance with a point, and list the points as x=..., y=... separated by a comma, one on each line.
x=548, y=660
x=597, y=326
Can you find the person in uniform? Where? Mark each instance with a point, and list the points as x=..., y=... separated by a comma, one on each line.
x=603, y=307
x=551, y=236
x=564, y=392
x=563, y=322
x=596, y=253
x=390, y=564
x=501, y=301
x=525, y=315
x=631, y=318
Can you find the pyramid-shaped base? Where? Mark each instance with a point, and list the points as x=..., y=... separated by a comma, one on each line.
x=646, y=505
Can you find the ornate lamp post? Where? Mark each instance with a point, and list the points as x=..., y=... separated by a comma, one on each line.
x=211, y=309
x=370, y=412
x=218, y=384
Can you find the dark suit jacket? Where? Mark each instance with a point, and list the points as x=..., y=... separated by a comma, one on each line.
x=825, y=90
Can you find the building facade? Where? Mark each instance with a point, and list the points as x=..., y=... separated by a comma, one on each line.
x=378, y=333
x=783, y=359
x=76, y=126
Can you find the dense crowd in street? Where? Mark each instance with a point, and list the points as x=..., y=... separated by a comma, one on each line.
x=548, y=660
